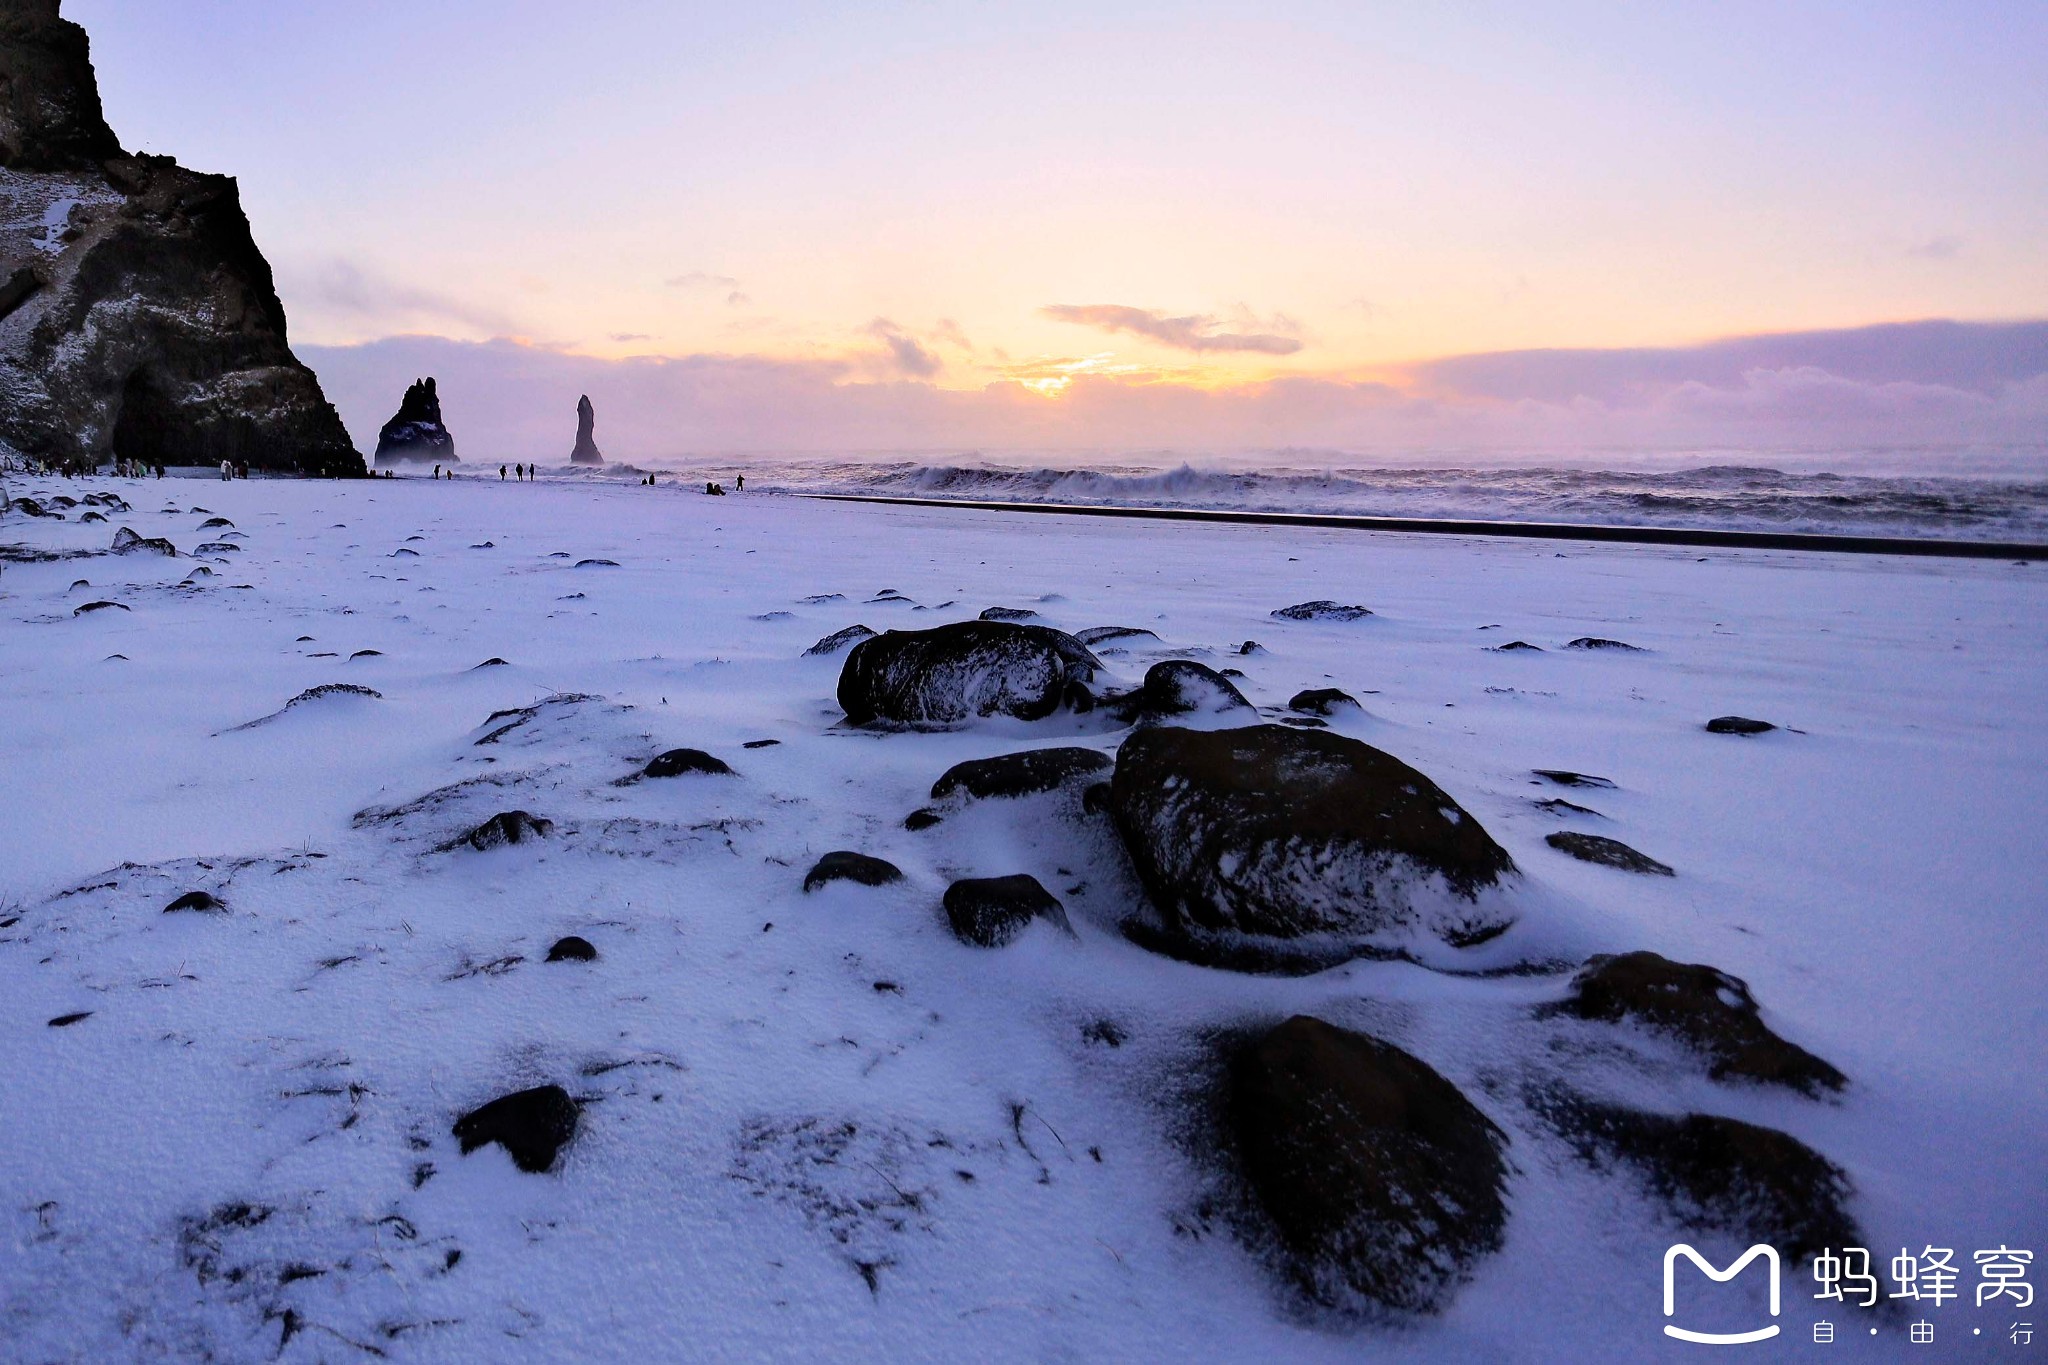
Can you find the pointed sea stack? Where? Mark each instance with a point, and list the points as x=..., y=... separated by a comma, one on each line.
x=415, y=435
x=586, y=451
x=137, y=318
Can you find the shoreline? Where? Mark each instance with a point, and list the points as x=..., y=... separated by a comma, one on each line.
x=1809, y=541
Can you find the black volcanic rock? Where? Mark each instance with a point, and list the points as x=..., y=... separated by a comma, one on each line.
x=1597, y=848
x=415, y=433
x=838, y=640
x=847, y=866
x=141, y=322
x=988, y=912
x=586, y=451
x=1189, y=691
x=1382, y=1180
x=1024, y=774
x=532, y=1125
x=1268, y=840
x=1716, y=1175
x=1706, y=1008
x=968, y=669
x=682, y=762
x=1322, y=701
x=506, y=827
x=574, y=948
x=1738, y=725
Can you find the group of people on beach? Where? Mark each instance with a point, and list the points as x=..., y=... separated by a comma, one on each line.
x=136, y=469
x=229, y=469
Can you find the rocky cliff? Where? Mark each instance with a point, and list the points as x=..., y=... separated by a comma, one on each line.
x=138, y=320
x=586, y=451
x=415, y=434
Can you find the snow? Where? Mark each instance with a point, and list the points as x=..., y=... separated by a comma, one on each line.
x=777, y=1115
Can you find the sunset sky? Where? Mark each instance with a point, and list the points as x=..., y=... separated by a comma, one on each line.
x=1200, y=197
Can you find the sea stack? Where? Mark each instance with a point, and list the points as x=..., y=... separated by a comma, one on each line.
x=586, y=451
x=415, y=434
x=137, y=318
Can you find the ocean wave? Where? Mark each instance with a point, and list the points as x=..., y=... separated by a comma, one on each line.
x=1726, y=496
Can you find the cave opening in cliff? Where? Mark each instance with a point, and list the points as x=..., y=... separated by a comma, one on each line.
x=150, y=427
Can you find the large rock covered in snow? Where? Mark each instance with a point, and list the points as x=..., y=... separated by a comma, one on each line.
x=1267, y=841
x=138, y=320
x=586, y=451
x=965, y=670
x=415, y=434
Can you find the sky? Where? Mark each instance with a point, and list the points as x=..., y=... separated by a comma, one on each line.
x=911, y=225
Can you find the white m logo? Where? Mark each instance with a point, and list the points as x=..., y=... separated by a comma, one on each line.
x=1770, y=1255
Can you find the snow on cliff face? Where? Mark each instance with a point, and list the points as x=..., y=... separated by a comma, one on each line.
x=137, y=317
x=817, y=1124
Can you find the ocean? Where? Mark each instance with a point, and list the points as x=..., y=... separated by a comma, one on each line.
x=2010, y=505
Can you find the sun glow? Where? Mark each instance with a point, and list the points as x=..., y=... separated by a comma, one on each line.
x=1049, y=378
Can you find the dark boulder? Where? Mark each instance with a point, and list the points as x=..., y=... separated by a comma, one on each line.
x=1557, y=805
x=127, y=542
x=1324, y=610
x=922, y=819
x=847, y=866
x=507, y=827
x=1183, y=689
x=1009, y=614
x=86, y=607
x=415, y=434
x=1564, y=778
x=1515, y=646
x=1023, y=774
x=968, y=669
x=203, y=902
x=532, y=1125
x=989, y=912
x=678, y=762
x=572, y=949
x=1595, y=848
x=1103, y=635
x=838, y=640
x=1738, y=725
x=586, y=451
x=1717, y=1175
x=1595, y=642
x=1383, y=1182
x=1706, y=1008
x=1322, y=701
x=1267, y=833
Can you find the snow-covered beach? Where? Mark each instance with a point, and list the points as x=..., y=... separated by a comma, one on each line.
x=816, y=1124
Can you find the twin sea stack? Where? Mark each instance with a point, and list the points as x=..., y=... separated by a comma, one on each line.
x=416, y=434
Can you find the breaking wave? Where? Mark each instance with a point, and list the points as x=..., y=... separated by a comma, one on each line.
x=1724, y=496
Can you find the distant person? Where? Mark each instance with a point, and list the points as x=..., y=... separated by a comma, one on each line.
x=241, y=469
x=739, y=483
x=501, y=473
x=227, y=471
